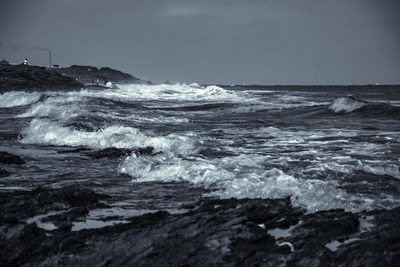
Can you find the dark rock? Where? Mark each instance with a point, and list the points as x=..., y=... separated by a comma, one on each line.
x=117, y=76
x=113, y=152
x=90, y=75
x=22, y=204
x=75, y=150
x=3, y=172
x=144, y=151
x=23, y=77
x=215, y=232
x=7, y=158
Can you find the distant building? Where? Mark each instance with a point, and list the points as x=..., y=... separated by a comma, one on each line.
x=4, y=62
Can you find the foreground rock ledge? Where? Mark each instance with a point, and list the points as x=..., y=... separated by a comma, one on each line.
x=229, y=232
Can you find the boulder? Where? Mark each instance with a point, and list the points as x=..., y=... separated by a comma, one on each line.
x=8, y=158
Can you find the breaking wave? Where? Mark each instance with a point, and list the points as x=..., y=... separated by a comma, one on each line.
x=46, y=132
x=346, y=104
x=242, y=177
x=199, y=133
x=182, y=92
x=15, y=98
x=364, y=108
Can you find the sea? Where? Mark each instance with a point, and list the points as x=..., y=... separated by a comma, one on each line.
x=336, y=148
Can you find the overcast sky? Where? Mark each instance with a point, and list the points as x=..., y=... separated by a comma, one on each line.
x=212, y=41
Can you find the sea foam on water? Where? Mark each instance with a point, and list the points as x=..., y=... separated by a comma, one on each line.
x=261, y=160
x=346, y=104
x=15, y=98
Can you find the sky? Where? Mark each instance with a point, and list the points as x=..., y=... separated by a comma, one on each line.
x=212, y=41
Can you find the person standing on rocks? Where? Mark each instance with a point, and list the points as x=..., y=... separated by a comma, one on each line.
x=26, y=61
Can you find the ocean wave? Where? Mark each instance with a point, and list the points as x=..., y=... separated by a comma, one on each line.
x=351, y=105
x=16, y=98
x=199, y=107
x=242, y=177
x=377, y=168
x=47, y=132
x=57, y=106
x=181, y=92
x=346, y=104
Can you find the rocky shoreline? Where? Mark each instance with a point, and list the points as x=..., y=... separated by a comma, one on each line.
x=35, y=78
x=244, y=232
x=48, y=227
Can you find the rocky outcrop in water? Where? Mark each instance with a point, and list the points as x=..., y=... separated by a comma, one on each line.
x=246, y=232
x=22, y=77
x=8, y=158
x=29, y=78
x=90, y=75
x=113, y=152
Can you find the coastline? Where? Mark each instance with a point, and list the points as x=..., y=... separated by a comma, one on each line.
x=210, y=232
x=35, y=78
x=73, y=225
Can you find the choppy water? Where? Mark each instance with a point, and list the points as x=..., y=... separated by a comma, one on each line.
x=324, y=149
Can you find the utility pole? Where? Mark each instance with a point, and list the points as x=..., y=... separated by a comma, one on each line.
x=49, y=58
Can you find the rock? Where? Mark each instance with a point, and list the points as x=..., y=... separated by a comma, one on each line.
x=245, y=232
x=90, y=75
x=28, y=78
x=3, y=172
x=7, y=158
x=22, y=204
x=75, y=150
x=113, y=152
x=117, y=76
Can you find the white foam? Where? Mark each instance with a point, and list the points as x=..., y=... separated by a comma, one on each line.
x=378, y=168
x=181, y=92
x=45, y=131
x=346, y=105
x=387, y=169
x=13, y=99
x=241, y=177
x=59, y=106
x=157, y=119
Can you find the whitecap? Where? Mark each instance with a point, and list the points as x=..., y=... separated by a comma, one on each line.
x=47, y=132
x=15, y=98
x=346, y=104
x=179, y=92
x=241, y=177
x=59, y=106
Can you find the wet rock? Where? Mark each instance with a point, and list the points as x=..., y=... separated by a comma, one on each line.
x=24, y=204
x=215, y=153
x=3, y=172
x=75, y=150
x=246, y=232
x=8, y=158
x=113, y=152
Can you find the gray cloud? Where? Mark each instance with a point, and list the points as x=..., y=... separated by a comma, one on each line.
x=23, y=47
